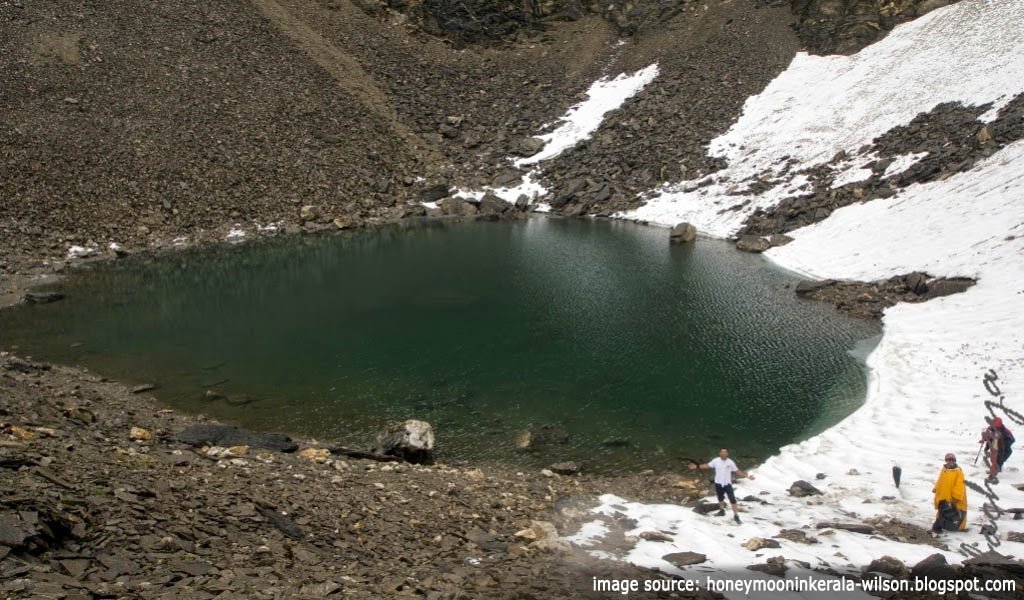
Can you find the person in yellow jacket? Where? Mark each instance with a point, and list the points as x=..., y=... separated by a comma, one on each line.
x=950, y=498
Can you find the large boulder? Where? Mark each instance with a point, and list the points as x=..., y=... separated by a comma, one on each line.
x=434, y=192
x=530, y=146
x=491, y=204
x=683, y=233
x=412, y=440
x=458, y=207
x=802, y=488
x=933, y=567
x=208, y=434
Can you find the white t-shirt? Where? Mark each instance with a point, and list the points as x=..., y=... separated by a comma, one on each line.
x=723, y=470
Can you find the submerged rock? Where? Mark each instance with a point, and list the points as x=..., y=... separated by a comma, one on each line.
x=565, y=468
x=43, y=297
x=208, y=434
x=411, y=440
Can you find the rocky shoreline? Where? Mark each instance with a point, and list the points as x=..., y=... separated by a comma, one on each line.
x=99, y=498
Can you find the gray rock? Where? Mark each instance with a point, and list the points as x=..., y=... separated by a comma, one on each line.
x=889, y=566
x=779, y=239
x=565, y=468
x=775, y=565
x=208, y=434
x=493, y=204
x=934, y=567
x=756, y=543
x=530, y=146
x=927, y=6
x=412, y=440
x=655, y=536
x=458, y=207
x=414, y=210
x=802, y=488
x=947, y=286
x=752, y=243
x=685, y=559
x=434, y=193
x=805, y=288
x=43, y=297
x=706, y=507
x=683, y=233
x=917, y=282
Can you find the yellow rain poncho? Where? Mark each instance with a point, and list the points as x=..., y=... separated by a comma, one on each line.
x=950, y=487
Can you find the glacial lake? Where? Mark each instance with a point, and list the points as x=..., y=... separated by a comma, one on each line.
x=614, y=348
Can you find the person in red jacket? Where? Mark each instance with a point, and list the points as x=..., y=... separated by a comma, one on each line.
x=998, y=442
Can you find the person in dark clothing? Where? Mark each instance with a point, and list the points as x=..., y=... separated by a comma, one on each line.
x=998, y=442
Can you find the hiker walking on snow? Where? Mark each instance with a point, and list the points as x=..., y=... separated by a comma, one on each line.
x=998, y=444
x=950, y=498
x=724, y=468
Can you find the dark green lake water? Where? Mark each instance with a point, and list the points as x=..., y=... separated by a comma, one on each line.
x=584, y=331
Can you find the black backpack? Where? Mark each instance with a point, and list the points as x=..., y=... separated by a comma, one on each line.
x=949, y=516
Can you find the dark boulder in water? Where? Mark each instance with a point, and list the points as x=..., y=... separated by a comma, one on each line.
x=225, y=435
x=43, y=297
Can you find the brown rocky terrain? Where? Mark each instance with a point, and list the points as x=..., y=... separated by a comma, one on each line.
x=99, y=499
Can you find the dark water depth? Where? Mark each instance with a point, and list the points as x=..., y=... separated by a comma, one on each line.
x=616, y=349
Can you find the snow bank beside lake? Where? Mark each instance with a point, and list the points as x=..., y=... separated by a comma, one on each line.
x=926, y=394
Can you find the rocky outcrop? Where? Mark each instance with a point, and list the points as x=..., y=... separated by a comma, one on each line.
x=870, y=299
x=946, y=140
x=846, y=26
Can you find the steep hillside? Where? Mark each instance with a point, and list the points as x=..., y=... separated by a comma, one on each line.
x=128, y=123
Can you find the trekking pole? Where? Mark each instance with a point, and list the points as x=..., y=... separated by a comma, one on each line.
x=981, y=445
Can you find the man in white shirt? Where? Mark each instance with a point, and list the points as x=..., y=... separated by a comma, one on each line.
x=724, y=468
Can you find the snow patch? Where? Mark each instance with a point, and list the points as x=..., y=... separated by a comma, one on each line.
x=577, y=125
x=604, y=95
x=903, y=162
x=821, y=105
x=80, y=251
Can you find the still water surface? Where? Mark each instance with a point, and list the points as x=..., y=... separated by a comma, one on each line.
x=614, y=348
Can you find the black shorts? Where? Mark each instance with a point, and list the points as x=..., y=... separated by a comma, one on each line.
x=723, y=490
